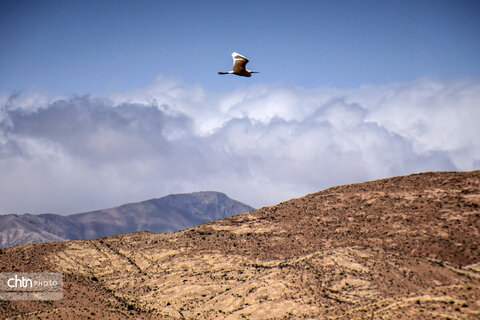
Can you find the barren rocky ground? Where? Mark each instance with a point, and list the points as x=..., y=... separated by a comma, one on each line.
x=400, y=248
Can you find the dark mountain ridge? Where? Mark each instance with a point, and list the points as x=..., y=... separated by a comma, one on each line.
x=168, y=214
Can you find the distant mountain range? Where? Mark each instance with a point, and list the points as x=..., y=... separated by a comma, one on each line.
x=168, y=214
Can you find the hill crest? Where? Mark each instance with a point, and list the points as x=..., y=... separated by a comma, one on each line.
x=405, y=247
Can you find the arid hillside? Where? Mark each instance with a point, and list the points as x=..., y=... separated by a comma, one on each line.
x=400, y=248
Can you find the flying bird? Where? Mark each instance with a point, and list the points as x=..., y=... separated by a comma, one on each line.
x=239, y=66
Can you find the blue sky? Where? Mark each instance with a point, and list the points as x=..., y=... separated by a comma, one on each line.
x=109, y=102
x=98, y=47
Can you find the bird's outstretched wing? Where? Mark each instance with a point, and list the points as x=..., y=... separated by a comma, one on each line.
x=239, y=63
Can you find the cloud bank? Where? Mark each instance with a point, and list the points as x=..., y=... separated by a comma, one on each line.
x=260, y=144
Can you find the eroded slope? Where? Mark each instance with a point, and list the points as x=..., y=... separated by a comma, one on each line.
x=405, y=247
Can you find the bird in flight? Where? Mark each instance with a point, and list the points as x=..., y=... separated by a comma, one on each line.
x=239, y=66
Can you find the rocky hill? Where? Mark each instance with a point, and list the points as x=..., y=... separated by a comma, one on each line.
x=400, y=248
x=168, y=214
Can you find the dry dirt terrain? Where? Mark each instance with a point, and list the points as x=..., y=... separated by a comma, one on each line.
x=400, y=248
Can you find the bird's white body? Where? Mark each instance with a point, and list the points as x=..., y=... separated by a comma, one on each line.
x=239, y=66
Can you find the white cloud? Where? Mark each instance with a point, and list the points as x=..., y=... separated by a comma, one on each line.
x=259, y=144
